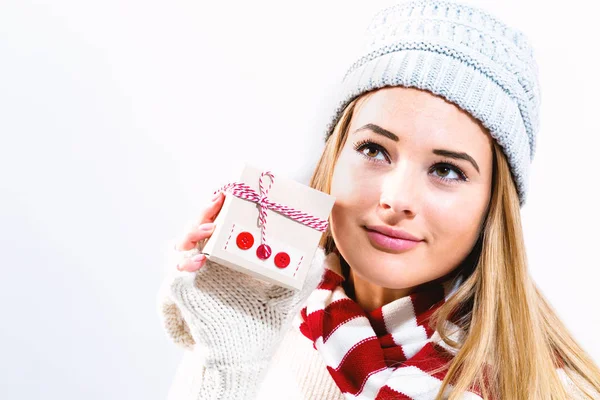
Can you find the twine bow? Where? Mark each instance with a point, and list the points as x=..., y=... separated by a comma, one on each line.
x=243, y=191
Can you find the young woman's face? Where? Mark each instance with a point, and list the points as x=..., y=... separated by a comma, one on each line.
x=417, y=163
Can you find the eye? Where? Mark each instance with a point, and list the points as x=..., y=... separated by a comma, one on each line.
x=372, y=150
x=446, y=170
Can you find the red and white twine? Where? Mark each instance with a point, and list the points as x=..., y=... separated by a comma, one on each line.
x=243, y=191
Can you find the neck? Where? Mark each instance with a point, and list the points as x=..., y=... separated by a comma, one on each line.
x=370, y=296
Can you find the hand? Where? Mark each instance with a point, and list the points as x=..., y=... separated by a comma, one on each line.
x=196, y=235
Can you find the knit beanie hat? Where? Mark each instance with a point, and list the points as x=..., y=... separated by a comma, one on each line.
x=463, y=54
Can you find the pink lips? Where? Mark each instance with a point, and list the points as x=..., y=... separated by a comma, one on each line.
x=400, y=240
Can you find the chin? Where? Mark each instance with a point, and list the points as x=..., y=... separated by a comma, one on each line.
x=391, y=277
x=388, y=283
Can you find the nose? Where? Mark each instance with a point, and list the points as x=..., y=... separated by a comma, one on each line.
x=400, y=190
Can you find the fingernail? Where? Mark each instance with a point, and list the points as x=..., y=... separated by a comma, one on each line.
x=216, y=196
x=207, y=227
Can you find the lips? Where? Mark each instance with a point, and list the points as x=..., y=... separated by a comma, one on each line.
x=393, y=232
x=388, y=243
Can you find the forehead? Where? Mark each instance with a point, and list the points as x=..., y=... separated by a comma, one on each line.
x=419, y=115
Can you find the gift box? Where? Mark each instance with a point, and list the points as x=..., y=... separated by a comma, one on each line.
x=269, y=227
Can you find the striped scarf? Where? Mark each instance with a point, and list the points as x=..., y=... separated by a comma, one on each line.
x=382, y=354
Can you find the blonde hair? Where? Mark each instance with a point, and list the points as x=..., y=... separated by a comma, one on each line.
x=512, y=343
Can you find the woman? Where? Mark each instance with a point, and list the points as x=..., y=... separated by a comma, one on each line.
x=420, y=288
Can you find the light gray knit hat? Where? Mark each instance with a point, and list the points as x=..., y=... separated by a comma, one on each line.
x=463, y=54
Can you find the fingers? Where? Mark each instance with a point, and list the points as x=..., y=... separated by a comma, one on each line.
x=196, y=234
x=192, y=264
x=210, y=212
x=204, y=226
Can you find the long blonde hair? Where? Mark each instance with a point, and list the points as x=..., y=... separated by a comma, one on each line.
x=513, y=345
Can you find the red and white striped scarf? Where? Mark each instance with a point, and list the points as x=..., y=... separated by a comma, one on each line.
x=382, y=354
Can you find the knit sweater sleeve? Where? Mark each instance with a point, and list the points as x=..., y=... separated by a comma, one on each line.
x=228, y=323
x=188, y=379
x=193, y=379
x=173, y=324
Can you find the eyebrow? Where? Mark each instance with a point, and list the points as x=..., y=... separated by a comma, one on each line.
x=456, y=155
x=441, y=152
x=379, y=130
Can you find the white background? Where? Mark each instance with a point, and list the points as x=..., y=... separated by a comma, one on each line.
x=119, y=118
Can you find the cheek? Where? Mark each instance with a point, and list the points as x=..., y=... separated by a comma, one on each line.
x=351, y=181
x=454, y=224
x=355, y=195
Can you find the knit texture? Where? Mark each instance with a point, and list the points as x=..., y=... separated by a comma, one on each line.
x=463, y=54
x=385, y=353
x=236, y=320
x=300, y=371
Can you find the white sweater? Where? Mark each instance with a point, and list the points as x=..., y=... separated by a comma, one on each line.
x=297, y=372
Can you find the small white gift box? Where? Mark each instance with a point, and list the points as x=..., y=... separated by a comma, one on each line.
x=274, y=242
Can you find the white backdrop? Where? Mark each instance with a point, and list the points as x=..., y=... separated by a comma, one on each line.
x=118, y=118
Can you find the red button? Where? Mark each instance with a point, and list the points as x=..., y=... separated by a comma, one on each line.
x=263, y=252
x=282, y=259
x=245, y=240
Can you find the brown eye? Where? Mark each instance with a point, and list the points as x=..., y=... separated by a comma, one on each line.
x=444, y=171
x=373, y=153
